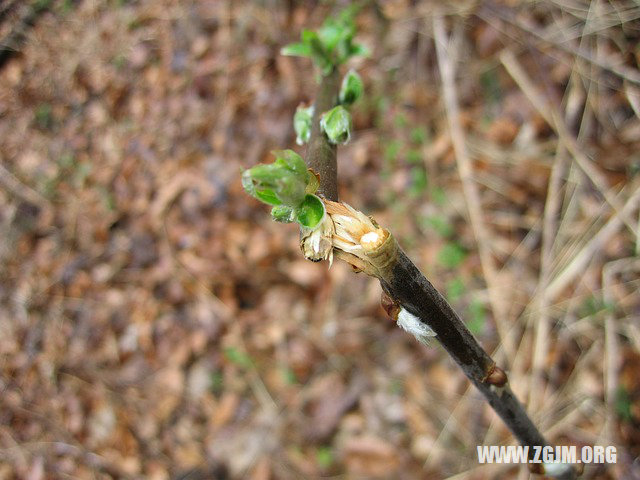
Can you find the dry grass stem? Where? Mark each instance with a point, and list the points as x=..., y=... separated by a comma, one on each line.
x=593, y=246
x=446, y=63
x=550, y=113
x=14, y=186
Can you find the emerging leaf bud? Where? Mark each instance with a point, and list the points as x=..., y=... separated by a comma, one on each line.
x=284, y=181
x=316, y=244
x=310, y=212
x=336, y=123
x=302, y=124
x=351, y=88
x=283, y=213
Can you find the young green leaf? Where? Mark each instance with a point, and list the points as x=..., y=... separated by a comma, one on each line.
x=455, y=289
x=258, y=189
x=321, y=57
x=282, y=182
x=283, y=213
x=358, y=50
x=331, y=45
x=351, y=88
x=451, y=255
x=478, y=315
x=335, y=31
x=313, y=184
x=311, y=212
x=290, y=189
x=308, y=36
x=336, y=123
x=247, y=183
x=302, y=124
x=439, y=223
x=292, y=162
x=296, y=50
x=268, y=196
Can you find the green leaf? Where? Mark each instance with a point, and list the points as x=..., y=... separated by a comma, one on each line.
x=336, y=123
x=623, y=404
x=321, y=57
x=332, y=44
x=418, y=135
x=313, y=184
x=267, y=196
x=283, y=213
x=478, y=317
x=302, y=124
x=419, y=180
x=217, y=382
x=490, y=82
x=400, y=120
x=267, y=175
x=324, y=457
x=451, y=255
x=282, y=182
x=351, y=88
x=308, y=36
x=330, y=34
x=311, y=212
x=336, y=32
x=290, y=190
x=292, y=162
x=289, y=376
x=455, y=289
x=247, y=183
x=238, y=357
x=357, y=49
x=438, y=196
x=414, y=156
x=439, y=223
x=296, y=50
x=391, y=150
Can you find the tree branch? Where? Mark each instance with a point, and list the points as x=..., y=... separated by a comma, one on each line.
x=409, y=289
x=322, y=155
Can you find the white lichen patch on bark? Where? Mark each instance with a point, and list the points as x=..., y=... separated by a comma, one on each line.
x=412, y=324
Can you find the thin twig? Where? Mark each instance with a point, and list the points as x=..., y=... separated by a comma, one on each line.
x=322, y=155
x=409, y=290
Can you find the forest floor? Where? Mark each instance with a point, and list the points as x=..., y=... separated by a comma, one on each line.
x=155, y=323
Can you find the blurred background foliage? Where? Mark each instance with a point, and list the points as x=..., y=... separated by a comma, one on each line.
x=155, y=323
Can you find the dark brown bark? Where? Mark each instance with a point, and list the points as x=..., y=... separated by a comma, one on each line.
x=407, y=286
